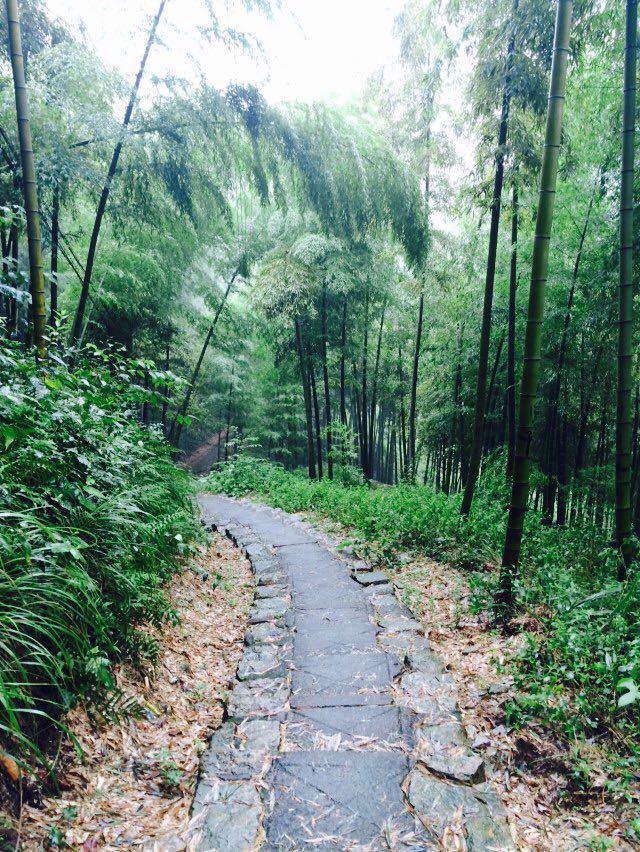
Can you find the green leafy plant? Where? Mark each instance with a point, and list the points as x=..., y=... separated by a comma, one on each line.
x=94, y=516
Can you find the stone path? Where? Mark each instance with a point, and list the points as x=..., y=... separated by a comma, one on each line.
x=342, y=730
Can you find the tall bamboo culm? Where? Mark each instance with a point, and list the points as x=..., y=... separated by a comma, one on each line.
x=624, y=414
x=533, y=338
x=29, y=186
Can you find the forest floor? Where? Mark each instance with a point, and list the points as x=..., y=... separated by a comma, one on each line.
x=533, y=769
x=136, y=778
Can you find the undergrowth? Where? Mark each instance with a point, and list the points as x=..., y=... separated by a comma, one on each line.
x=582, y=627
x=92, y=517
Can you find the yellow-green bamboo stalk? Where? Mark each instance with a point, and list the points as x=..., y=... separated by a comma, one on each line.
x=624, y=418
x=539, y=271
x=29, y=186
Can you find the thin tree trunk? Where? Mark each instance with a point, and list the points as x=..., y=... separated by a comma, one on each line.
x=485, y=331
x=563, y=480
x=325, y=376
x=316, y=410
x=533, y=339
x=307, y=402
x=55, y=238
x=491, y=392
x=165, y=401
x=178, y=420
x=374, y=392
x=357, y=406
x=403, y=419
x=146, y=408
x=364, y=407
x=343, y=346
x=15, y=254
x=106, y=189
x=411, y=449
x=625, y=290
x=226, y=440
x=457, y=387
x=554, y=398
x=511, y=337
x=29, y=185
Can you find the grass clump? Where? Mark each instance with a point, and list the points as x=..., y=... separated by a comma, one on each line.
x=582, y=627
x=93, y=514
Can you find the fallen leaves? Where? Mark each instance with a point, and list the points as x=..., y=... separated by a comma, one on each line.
x=529, y=766
x=137, y=778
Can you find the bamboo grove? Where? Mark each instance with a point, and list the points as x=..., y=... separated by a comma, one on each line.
x=342, y=289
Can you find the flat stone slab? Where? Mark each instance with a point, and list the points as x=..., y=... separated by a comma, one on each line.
x=259, y=735
x=441, y=804
x=272, y=591
x=444, y=750
x=383, y=728
x=230, y=818
x=350, y=796
x=320, y=675
x=398, y=624
x=315, y=634
x=266, y=697
x=266, y=633
x=260, y=661
x=433, y=696
x=268, y=609
x=370, y=578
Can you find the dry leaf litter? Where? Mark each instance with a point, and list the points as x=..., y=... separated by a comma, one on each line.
x=136, y=779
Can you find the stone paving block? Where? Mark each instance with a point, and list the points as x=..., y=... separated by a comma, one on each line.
x=355, y=672
x=266, y=633
x=231, y=816
x=438, y=803
x=259, y=735
x=324, y=632
x=273, y=591
x=398, y=624
x=383, y=727
x=266, y=697
x=432, y=695
x=268, y=609
x=370, y=578
x=270, y=578
x=399, y=644
x=444, y=750
x=232, y=764
x=388, y=606
x=329, y=596
x=260, y=661
x=346, y=795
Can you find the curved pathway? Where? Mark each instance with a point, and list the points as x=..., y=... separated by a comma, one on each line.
x=342, y=730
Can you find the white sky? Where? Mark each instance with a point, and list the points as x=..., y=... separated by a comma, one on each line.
x=313, y=49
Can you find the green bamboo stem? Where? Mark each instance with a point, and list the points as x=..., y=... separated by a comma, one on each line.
x=624, y=416
x=533, y=338
x=29, y=186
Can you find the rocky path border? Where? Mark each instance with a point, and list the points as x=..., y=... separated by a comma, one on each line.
x=342, y=730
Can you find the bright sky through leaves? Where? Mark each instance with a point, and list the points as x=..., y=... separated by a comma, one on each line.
x=312, y=50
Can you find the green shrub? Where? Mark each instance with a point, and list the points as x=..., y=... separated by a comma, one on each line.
x=93, y=514
x=585, y=636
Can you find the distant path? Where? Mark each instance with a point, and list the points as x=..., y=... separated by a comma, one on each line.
x=202, y=459
x=341, y=722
